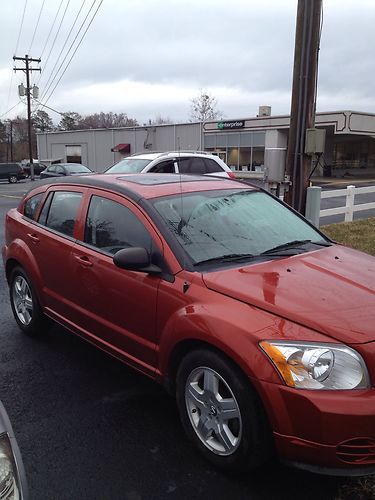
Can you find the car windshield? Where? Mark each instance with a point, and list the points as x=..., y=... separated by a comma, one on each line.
x=128, y=166
x=234, y=224
x=77, y=169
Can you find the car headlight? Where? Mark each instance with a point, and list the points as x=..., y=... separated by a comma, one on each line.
x=317, y=366
x=9, y=487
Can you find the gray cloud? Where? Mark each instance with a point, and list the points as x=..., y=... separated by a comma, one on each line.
x=243, y=46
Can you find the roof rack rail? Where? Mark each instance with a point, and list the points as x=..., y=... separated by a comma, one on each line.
x=189, y=151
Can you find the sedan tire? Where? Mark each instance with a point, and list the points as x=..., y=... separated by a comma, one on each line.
x=221, y=413
x=12, y=179
x=25, y=306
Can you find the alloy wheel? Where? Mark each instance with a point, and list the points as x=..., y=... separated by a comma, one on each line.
x=22, y=300
x=213, y=411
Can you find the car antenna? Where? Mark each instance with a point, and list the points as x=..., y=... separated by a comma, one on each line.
x=186, y=284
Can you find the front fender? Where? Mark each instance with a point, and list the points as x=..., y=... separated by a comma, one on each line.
x=225, y=324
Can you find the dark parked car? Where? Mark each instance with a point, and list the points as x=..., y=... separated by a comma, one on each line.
x=12, y=172
x=63, y=169
x=261, y=326
x=38, y=168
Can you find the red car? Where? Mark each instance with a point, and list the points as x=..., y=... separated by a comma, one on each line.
x=262, y=327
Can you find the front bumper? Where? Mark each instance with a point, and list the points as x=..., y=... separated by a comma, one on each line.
x=324, y=431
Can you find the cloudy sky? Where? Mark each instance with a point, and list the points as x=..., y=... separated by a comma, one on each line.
x=151, y=57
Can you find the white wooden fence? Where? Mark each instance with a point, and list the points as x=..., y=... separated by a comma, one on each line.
x=315, y=194
x=349, y=207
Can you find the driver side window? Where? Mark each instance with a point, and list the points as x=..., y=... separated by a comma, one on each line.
x=111, y=226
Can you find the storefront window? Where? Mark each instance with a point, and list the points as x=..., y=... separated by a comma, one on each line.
x=353, y=154
x=242, y=150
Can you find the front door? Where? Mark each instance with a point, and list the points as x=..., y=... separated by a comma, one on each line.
x=116, y=307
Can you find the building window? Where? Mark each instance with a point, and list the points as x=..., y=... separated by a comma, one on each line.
x=73, y=154
x=241, y=151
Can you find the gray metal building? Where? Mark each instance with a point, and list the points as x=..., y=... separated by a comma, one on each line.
x=350, y=142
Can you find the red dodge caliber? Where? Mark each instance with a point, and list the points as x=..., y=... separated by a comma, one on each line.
x=262, y=327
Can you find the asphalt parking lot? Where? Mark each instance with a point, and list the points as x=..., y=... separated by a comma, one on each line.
x=90, y=428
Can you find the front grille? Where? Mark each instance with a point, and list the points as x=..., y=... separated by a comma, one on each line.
x=357, y=451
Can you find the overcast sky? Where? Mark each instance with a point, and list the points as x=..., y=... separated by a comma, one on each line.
x=151, y=57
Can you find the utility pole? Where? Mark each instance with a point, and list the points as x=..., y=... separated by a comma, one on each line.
x=28, y=69
x=11, y=140
x=302, y=115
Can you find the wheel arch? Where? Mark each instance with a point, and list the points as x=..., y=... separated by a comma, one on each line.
x=22, y=257
x=184, y=347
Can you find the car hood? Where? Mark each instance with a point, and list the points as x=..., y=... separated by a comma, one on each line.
x=331, y=290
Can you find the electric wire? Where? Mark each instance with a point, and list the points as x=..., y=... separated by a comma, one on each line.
x=49, y=107
x=36, y=27
x=47, y=86
x=19, y=33
x=57, y=33
x=15, y=52
x=45, y=91
x=70, y=60
x=50, y=31
x=9, y=110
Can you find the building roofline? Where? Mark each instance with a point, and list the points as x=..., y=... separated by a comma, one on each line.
x=145, y=127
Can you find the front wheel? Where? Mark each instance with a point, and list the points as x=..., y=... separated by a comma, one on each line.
x=13, y=179
x=221, y=413
x=25, y=306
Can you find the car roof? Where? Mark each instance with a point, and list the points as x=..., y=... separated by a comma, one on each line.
x=150, y=186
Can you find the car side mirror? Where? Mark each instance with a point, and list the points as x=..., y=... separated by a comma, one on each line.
x=135, y=259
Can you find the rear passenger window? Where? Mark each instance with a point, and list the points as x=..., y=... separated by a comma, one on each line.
x=111, y=226
x=165, y=167
x=194, y=165
x=32, y=205
x=60, y=211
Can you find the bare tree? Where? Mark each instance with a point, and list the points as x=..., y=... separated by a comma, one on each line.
x=107, y=120
x=161, y=120
x=204, y=108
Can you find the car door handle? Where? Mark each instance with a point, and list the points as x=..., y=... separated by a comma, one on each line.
x=33, y=237
x=83, y=260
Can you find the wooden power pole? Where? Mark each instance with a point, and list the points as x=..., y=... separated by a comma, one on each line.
x=28, y=69
x=302, y=115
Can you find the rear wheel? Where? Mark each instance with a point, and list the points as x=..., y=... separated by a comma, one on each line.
x=13, y=179
x=221, y=413
x=25, y=306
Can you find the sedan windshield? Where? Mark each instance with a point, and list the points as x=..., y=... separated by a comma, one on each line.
x=128, y=166
x=76, y=168
x=235, y=225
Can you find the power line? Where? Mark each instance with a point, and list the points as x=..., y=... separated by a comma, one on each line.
x=57, y=33
x=36, y=27
x=61, y=51
x=19, y=33
x=9, y=110
x=18, y=39
x=45, y=106
x=66, y=67
x=50, y=31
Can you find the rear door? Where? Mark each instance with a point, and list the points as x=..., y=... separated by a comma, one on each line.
x=52, y=239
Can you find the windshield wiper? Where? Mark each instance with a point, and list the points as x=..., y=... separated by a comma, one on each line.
x=227, y=258
x=293, y=244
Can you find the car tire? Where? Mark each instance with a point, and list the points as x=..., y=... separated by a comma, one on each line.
x=221, y=412
x=12, y=179
x=25, y=305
